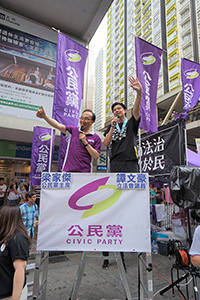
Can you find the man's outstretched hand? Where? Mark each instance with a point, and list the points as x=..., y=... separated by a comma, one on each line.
x=41, y=113
x=135, y=84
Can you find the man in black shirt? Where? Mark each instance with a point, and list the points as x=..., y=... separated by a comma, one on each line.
x=121, y=134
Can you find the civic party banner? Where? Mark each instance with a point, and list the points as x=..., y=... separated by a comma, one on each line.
x=41, y=156
x=94, y=212
x=164, y=149
x=148, y=61
x=70, y=65
x=190, y=75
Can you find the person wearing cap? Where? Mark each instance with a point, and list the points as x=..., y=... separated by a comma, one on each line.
x=121, y=135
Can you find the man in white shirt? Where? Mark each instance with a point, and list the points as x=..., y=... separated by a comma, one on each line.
x=2, y=191
x=195, y=248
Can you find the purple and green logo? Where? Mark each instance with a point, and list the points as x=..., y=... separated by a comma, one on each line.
x=45, y=137
x=73, y=55
x=191, y=74
x=94, y=209
x=148, y=58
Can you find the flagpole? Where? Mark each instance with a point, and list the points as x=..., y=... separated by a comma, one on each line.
x=140, y=150
x=50, y=150
x=57, y=30
x=185, y=132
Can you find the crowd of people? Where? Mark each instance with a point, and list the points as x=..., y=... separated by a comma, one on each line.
x=156, y=195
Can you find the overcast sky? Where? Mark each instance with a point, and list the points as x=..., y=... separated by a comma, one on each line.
x=99, y=39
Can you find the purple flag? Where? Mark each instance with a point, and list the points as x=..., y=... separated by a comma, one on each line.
x=70, y=65
x=42, y=153
x=148, y=60
x=62, y=151
x=190, y=75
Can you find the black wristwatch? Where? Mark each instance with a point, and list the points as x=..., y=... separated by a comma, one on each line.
x=86, y=144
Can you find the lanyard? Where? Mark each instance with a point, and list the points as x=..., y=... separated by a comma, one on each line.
x=123, y=126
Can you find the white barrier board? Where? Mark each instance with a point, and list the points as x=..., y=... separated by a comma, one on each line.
x=93, y=213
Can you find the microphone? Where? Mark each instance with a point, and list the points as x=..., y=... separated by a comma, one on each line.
x=81, y=129
x=114, y=123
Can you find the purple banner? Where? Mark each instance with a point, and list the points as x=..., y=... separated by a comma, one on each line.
x=62, y=151
x=148, y=60
x=42, y=145
x=190, y=75
x=70, y=65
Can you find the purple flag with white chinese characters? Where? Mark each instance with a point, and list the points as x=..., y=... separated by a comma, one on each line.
x=148, y=60
x=190, y=75
x=70, y=65
x=42, y=153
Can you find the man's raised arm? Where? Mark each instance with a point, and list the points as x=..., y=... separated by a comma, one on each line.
x=42, y=115
x=135, y=84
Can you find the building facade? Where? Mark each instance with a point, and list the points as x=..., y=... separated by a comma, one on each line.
x=100, y=89
x=173, y=25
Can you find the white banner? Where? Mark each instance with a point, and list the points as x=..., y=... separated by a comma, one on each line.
x=93, y=214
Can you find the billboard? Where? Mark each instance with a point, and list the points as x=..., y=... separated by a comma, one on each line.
x=27, y=67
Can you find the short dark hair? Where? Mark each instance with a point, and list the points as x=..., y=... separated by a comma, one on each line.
x=26, y=186
x=93, y=114
x=1, y=178
x=29, y=195
x=118, y=103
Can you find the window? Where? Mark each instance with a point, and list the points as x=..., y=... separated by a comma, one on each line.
x=170, y=4
x=172, y=36
x=185, y=25
x=173, y=47
x=186, y=37
x=187, y=49
x=171, y=14
x=156, y=28
x=157, y=37
x=156, y=18
x=182, y=3
x=173, y=71
x=185, y=13
x=173, y=59
x=174, y=83
x=171, y=25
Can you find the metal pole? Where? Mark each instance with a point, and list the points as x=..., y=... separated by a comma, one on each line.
x=195, y=38
x=171, y=108
x=50, y=151
x=186, y=159
x=164, y=46
x=125, y=53
x=140, y=154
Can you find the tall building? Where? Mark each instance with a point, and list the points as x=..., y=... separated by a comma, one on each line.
x=115, y=53
x=173, y=25
x=100, y=89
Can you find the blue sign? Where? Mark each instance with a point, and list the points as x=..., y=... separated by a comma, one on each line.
x=101, y=168
x=129, y=181
x=56, y=180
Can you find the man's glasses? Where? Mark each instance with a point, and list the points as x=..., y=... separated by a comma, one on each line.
x=85, y=119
